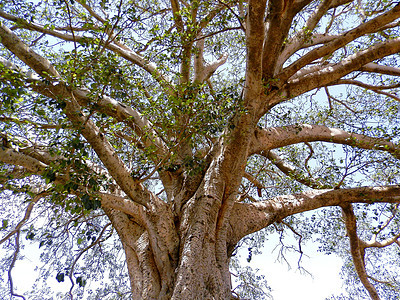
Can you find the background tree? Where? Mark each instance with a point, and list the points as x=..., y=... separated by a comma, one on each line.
x=173, y=130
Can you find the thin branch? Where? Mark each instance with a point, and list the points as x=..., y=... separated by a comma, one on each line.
x=14, y=259
x=16, y=232
x=292, y=172
x=375, y=88
x=300, y=238
x=242, y=26
x=97, y=241
x=330, y=97
x=26, y=217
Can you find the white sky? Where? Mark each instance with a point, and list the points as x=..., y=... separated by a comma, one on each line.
x=289, y=283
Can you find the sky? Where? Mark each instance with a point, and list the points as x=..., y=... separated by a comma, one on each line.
x=289, y=283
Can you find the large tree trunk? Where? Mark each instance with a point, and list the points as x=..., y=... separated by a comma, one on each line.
x=201, y=270
x=194, y=233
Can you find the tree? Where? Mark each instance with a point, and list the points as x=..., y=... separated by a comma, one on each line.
x=177, y=129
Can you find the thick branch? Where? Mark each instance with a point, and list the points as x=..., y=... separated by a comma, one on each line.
x=248, y=218
x=144, y=278
x=357, y=252
x=13, y=157
x=328, y=74
x=371, y=26
x=275, y=137
x=278, y=22
x=38, y=63
x=254, y=44
x=122, y=204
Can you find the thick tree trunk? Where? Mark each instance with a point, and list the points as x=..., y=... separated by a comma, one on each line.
x=181, y=251
x=201, y=271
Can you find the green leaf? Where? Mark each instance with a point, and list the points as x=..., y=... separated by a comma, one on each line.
x=60, y=277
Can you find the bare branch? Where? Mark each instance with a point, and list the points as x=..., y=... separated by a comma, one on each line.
x=14, y=259
x=122, y=204
x=277, y=25
x=202, y=70
x=253, y=180
x=91, y=11
x=254, y=45
x=367, y=86
x=263, y=213
x=375, y=88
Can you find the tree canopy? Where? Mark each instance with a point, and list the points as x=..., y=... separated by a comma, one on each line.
x=144, y=142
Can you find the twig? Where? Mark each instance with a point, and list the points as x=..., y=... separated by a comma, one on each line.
x=14, y=259
x=97, y=241
x=28, y=212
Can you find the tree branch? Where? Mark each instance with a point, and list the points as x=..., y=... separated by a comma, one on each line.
x=328, y=74
x=357, y=251
x=16, y=231
x=275, y=137
x=112, y=45
x=14, y=259
x=375, y=88
x=384, y=70
x=277, y=24
x=254, y=45
x=105, y=104
x=26, y=217
x=202, y=70
x=371, y=26
x=292, y=172
x=13, y=157
x=38, y=63
x=247, y=218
